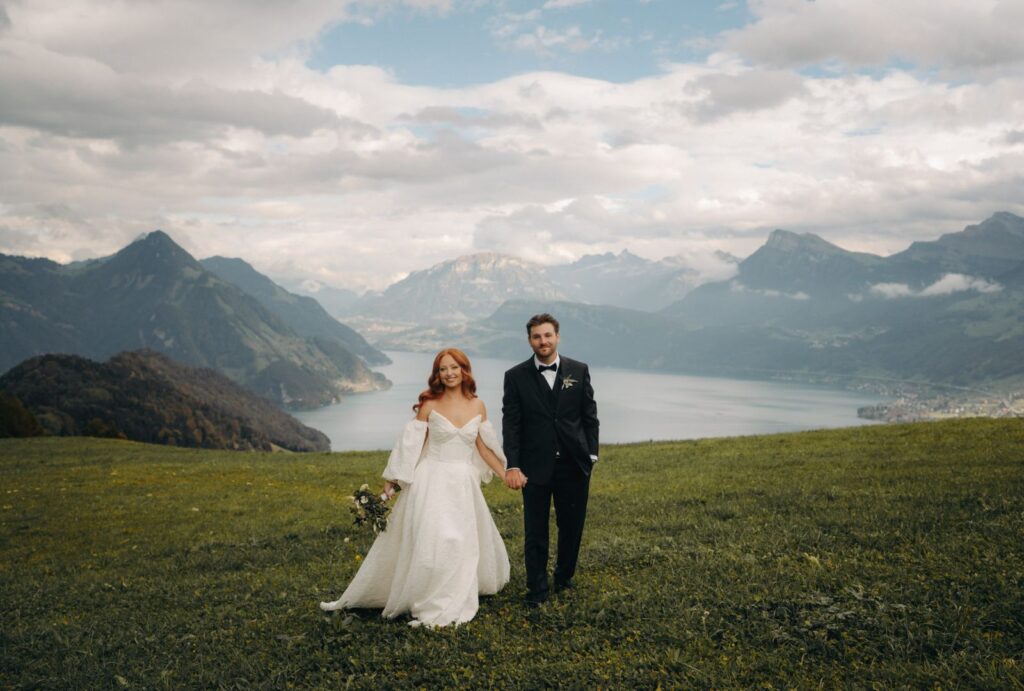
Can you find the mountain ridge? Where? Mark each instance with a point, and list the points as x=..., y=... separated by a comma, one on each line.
x=302, y=314
x=152, y=293
x=799, y=306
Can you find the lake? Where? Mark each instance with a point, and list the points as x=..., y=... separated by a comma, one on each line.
x=632, y=405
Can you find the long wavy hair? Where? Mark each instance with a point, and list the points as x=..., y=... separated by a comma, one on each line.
x=435, y=389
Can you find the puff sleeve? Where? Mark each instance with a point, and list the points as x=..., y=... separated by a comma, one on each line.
x=406, y=453
x=489, y=436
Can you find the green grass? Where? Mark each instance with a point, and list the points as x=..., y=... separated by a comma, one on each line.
x=875, y=556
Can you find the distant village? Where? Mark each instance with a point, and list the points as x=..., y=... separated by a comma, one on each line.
x=914, y=407
x=913, y=402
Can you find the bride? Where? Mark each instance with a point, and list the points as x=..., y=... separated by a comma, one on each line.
x=441, y=549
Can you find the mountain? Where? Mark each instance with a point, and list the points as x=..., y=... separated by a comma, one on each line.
x=803, y=279
x=806, y=264
x=1014, y=277
x=799, y=306
x=474, y=286
x=988, y=249
x=470, y=287
x=303, y=315
x=791, y=276
x=625, y=280
x=153, y=294
x=929, y=314
x=146, y=396
x=336, y=301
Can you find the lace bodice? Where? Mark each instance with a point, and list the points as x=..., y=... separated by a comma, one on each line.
x=450, y=444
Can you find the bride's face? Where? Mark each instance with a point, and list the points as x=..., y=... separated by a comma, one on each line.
x=450, y=372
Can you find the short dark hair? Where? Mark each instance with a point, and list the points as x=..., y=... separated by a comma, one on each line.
x=538, y=319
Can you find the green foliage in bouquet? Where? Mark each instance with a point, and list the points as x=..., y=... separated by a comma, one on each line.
x=370, y=509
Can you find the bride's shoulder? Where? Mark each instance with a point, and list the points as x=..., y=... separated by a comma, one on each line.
x=424, y=412
x=479, y=408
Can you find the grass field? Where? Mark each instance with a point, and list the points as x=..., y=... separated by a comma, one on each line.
x=883, y=556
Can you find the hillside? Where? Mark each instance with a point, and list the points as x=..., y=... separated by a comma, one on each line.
x=884, y=556
x=303, y=315
x=146, y=396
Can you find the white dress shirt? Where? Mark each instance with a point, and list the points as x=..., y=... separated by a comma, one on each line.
x=549, y=374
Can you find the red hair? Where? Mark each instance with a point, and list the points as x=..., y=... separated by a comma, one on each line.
x=435, y=389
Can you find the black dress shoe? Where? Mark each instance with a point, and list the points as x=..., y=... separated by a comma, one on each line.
x=563, y=586
x=534, y=601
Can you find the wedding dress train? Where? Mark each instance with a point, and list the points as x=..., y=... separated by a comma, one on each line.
x=441, y=549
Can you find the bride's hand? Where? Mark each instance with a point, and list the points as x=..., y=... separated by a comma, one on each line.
x=514, y=478
x=389, y=491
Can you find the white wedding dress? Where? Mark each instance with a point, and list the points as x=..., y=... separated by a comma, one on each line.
x=441, y=549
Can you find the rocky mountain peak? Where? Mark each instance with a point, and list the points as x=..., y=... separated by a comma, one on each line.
x=151, y=253
x=786, y=241
x=1000, y=225
x=482, y=261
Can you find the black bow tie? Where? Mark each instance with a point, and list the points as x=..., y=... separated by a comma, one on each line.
x=542, y=368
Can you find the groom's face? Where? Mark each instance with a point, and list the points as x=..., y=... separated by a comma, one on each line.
x=544, y=341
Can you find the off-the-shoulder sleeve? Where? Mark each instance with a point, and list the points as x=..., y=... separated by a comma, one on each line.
x=406, y=453
x=489, y=436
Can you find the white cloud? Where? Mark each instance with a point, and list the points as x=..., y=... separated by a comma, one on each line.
x=958, y=283
x=79, y=97
x=947, y=285
x=737, y=287
x=543, y=40
x=948, y=34
x=527, y=32
x=892, y=290
x=751, y=90
x=146, y=115
x=185, y=39
x=559, y=4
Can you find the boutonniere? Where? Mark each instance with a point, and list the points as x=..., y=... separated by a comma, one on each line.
x=568, y=383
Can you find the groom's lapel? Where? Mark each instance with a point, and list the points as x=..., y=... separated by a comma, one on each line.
x=558, y=383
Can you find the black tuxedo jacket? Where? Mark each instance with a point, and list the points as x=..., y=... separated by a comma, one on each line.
x=538, y=421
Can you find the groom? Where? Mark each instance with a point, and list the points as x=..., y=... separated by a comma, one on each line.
x=549, y=425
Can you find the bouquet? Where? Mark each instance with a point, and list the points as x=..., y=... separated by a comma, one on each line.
x=371, y=509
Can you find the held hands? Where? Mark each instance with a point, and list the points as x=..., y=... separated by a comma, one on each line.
x=514, y=478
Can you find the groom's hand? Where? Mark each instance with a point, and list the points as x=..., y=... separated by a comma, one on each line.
x=514, y=478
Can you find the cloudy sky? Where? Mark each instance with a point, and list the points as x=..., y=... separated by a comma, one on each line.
x=353, y=141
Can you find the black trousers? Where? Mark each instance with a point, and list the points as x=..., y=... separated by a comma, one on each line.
x=569, y=487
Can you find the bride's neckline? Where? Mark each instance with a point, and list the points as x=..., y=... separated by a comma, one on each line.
x=434, y=412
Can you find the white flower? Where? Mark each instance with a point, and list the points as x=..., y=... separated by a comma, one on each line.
x=363, y=500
